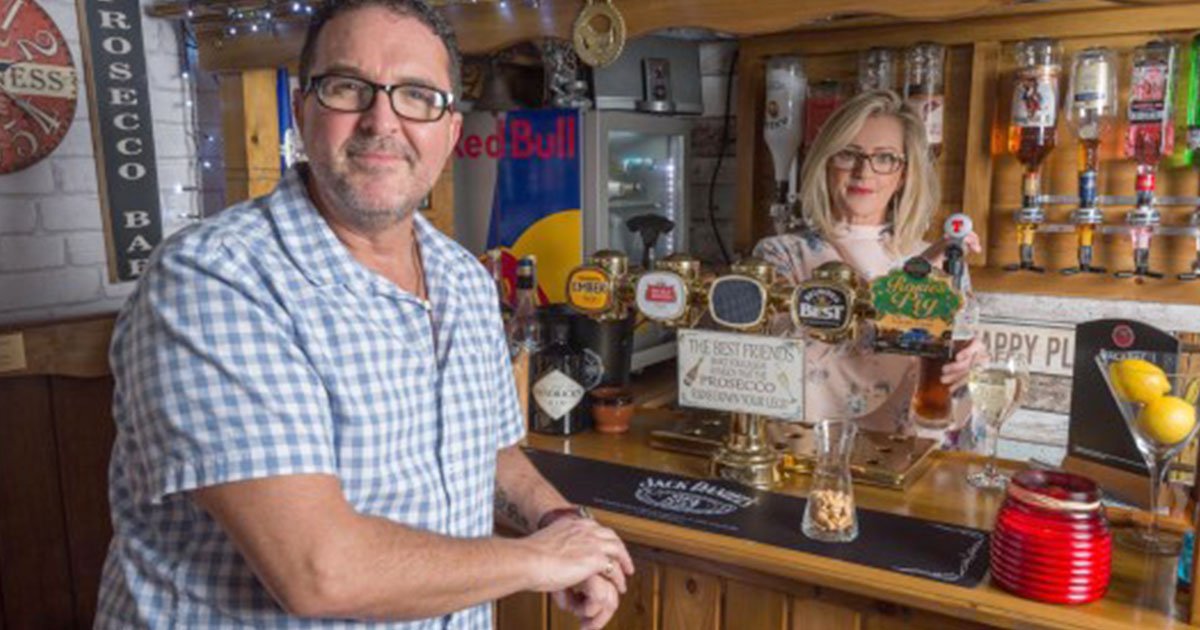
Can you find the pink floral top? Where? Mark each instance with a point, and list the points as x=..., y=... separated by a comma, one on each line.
x=850, y=380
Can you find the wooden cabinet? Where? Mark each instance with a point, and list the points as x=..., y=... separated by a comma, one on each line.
x=978, y=175
x=675, y=592
x=56, y=434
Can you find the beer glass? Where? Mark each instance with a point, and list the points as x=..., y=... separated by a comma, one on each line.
x=829, y=513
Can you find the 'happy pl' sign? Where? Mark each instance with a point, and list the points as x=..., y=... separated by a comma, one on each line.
x=741, y=373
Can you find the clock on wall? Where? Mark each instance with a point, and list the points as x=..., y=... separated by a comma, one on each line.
x=38, y=85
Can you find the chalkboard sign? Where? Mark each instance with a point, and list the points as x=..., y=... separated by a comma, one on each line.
x=1098, y=433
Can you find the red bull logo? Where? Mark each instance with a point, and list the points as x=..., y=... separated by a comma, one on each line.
x=516, y=139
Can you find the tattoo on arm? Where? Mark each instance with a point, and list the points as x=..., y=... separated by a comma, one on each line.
x=510, y=511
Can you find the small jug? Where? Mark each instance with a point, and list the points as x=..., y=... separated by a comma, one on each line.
x=829, y=514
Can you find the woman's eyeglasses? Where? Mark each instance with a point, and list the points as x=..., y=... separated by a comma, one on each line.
x=411, y=101
x=882, y=163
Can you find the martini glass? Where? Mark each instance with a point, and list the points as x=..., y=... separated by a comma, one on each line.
x=1157, y=446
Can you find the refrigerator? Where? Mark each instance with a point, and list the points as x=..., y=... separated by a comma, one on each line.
x=561, y=184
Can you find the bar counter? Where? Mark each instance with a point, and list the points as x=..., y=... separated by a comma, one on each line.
x=692, y=579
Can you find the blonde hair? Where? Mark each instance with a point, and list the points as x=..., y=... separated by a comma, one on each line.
x=913, y=204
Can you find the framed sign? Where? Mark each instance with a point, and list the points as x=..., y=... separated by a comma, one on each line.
x=742, y=373
x=122, y=133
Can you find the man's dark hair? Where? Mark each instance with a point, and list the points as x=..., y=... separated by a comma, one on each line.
x=416, y=9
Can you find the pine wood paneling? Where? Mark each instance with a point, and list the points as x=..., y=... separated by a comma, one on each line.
x=639, y=609
x=523, y=611
x=810, y=613
x=250, y=128
x=750, y=606
x=690, y=600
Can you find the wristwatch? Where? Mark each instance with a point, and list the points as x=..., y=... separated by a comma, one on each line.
x=575, y=511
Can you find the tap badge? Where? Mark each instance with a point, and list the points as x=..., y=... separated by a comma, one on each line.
x=590, y=289
x=662, y=296
x=821, y=307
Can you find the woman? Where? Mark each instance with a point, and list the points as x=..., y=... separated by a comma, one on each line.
x=867, y=191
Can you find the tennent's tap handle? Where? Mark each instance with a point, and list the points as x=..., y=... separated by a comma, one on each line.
x=957, y=228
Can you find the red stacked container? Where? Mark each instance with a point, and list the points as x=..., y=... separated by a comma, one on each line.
x=1051, y=541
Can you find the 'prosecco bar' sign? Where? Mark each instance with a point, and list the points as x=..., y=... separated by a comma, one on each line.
x=122, y=132
x=741, y=373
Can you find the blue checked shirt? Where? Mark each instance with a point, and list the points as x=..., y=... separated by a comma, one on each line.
x=255, y=346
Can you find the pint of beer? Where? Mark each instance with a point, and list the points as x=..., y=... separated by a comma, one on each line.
x=932, y=403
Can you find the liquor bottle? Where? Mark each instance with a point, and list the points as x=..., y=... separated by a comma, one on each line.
x=557, y=390
x=824, y=97
x=877, y=69
x=1193, y=103
x=1150, y=136
x=496, y=260
x=1193, y=139
x=1091, y=109
x=524, y=330
x=1032, y=134
x=924, y=89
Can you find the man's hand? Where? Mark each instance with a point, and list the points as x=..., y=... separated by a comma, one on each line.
x=571, y=550
x=594, y=601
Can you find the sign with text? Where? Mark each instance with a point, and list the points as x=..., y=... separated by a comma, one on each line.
x=1046, y=349
x=741, y=373
x=122, y=132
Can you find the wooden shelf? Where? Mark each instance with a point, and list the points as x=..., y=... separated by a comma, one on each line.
x=1094, y=286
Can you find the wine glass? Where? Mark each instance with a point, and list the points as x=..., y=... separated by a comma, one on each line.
x=997, y=388
x=1159, y=407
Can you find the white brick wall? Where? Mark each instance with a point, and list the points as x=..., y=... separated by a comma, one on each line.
x=52, y=249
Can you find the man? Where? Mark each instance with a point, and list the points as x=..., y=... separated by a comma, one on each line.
x=313, y=394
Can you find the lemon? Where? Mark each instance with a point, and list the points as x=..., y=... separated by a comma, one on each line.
x=1137, y=380
x=1167, y=420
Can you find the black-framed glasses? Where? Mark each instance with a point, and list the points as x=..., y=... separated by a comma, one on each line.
x=410, y=101
x=883, y=163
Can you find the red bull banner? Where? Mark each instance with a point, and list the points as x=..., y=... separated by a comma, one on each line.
x=534, y=158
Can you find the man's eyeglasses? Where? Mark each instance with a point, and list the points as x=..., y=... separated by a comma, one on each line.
x=410, y=101
x=883, y=163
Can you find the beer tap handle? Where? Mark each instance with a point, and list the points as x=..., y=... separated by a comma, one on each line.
x=957, y=228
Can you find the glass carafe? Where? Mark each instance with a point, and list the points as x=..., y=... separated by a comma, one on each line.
x=829, y=513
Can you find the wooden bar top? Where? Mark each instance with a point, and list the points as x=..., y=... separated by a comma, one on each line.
x=1141, y=593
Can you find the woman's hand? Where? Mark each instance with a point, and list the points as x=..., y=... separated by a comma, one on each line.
x=936, y=252
x=955, y=374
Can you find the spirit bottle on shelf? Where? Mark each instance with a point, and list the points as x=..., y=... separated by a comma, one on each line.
x=877, y=69
x=1150, y=136
x=524, y=329
x=824, y=97
x=1193, y=103
x=557, y=392
x=783, y=127
x=1091, y=109
x=496, y=261
x=1193, y=139
x=1032, y=133
x=924, y=88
